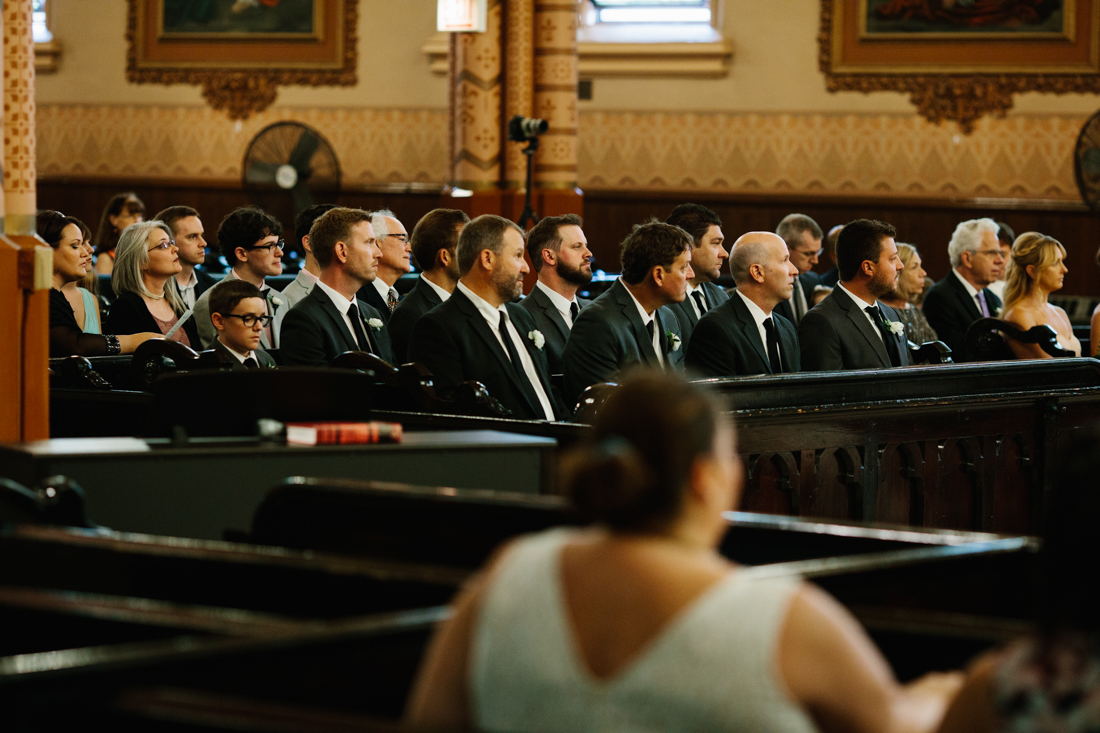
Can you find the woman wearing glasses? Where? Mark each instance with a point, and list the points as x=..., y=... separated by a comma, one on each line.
x=146, y=295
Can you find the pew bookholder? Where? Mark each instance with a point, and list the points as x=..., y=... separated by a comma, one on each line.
x=591, y=401
x=76, y=372
x=57, y=501
x=161, y=356
x=930, y=352
x=986, y=340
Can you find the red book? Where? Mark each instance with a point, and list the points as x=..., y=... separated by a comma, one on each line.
x=342, y=433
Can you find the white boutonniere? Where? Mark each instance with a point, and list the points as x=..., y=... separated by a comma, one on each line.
x=895, y=327
x=997, y=312
x=276, y=301
x=673, y=340
x=538, y=338
x=375, y=323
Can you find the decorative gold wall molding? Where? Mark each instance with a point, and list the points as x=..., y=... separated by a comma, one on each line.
x=373, y=146
x=895, y=155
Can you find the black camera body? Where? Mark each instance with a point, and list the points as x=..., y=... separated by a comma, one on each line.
x=521, y=129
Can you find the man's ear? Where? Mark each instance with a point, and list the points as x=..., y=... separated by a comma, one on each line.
x=305, y=244
x=658, y=275
x=218, y=320
x=340, y=252
x=756, y=272
x=867, y=267
x=965, y=259
x=486, y=258
x=443, y=257
x=240, y=254
x=549, y=257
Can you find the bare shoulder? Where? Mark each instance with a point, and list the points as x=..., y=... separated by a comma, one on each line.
x=1020, y=316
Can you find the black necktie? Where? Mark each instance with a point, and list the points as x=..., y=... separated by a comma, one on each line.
x=517, y=365
x=360, y=332
x=574, y=309
x=887, y=337
x=773, y=346
x=700, y=301
x=650, y=328
x=250, y=363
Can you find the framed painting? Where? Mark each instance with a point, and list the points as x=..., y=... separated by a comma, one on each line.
x=961, y=60
x=241, y=51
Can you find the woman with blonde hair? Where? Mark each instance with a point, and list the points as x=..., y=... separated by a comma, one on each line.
x=909, y=292
x=147, y=297
x=1035, y=270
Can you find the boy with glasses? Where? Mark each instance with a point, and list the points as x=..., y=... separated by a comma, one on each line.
x=251, y=240
x=238, y=313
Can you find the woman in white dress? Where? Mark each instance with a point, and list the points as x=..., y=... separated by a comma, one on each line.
x=638, y=624
x=1035, y=270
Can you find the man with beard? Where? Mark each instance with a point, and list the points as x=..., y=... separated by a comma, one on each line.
x=433, y=241
x=707, y=255
x=479, y=334
x=559, y=253
x=331, y=320
x=849, y=329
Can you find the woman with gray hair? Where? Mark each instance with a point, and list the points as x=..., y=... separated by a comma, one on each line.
x=908, y=293
x=146, y=295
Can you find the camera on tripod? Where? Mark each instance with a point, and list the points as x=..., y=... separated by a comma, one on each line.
x=521, y=129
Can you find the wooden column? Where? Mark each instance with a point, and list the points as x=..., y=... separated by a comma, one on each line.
x=556, y=78
x=476, y=63
x=25, y=267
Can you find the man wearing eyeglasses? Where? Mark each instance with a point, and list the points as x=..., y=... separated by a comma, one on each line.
x=963, y=297
x=239, y=313
x=396, y=260
x=803, y=237
x=251, y=240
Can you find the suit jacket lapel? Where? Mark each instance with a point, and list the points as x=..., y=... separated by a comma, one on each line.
x=641, y=334
x=481, y=327
x=542, y=300
x=748, y=325
x=968, y=303
x=337, y=318
x=428, y=292
x=859, y=318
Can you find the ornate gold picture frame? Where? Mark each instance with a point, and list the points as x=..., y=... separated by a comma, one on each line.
x=956, y=67
x=241, y=51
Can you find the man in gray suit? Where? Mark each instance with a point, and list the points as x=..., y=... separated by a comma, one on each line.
x=629, y=324
x=559, y=254
x=251, y=240
x=307, y=276
x=850, y=329
x=708, y=252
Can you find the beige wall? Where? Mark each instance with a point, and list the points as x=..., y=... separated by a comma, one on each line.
x=770, y=125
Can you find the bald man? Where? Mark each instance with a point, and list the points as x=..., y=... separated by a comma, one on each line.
x=744, y=335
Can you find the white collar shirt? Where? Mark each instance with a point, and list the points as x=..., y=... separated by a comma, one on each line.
x=646, y=318
x=240, y=357
x=759, y=316
x=863, y=306
x=187, y=292
x=492, y=317
x=561, y=303
x=344, y=305
x=382, y=288
x=443, y=294
x=691, y=298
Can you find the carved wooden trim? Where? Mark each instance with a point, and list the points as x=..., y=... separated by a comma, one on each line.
x=963, y=98
x=242, y=92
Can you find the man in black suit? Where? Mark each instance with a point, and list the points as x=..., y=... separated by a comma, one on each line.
x=707, y=255
x=629, y=323
x=238, y=312
x=850, y=329
x=745, y=335
x=479, y=334
x=330, y=320
x=559, y=253
x=962, y=297
x=803, y=238
x=434, y=240
x=396, y=260
x=187, y=231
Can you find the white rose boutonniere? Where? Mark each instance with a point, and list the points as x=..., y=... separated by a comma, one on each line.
x=537, y=337
x=997, y=312
x=276, y=301
x=895, y=327
x=375, y=323
x=673, y=340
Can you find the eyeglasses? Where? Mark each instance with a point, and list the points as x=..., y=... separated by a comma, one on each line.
x=280, y=244
x=402, y=237
x=250, y=321
x=166, y=244
x=990, y=252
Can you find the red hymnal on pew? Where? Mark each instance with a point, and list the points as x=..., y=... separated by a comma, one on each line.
x=342, y=433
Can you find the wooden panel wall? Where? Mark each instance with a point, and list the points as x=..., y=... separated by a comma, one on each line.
x=609, y=215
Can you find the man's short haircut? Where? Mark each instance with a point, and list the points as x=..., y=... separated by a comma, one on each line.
x=173, y=214
x=968, y=238
x=226, y=295
x=831, y=237
x=436, y=230
x=305, y=219
x=791, y=228
x=483, y=233
x=743, y=256
x=547, y=235
x=695, y=219
x=333, y=226
x=651, y=244
x=244, y=227
x=860, y=241
x=1005, y=234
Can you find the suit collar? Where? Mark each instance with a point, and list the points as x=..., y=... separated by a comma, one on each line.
x=543, y=300
x=751, y=326
x=858, y=317
x=633, y=312
x=335, y=315
x=429, y=290
x=962, y=292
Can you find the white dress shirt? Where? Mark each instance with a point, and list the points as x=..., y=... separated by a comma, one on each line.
x=863, y=306
x=383, y=289
x=443, y=294
x=240, y=357
x=560, y=303
x=760, y=316
x=187, y=292
x=344, y=305
x=972, y=290
x=691, y=298
x=492, y=317
x=646, y=318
